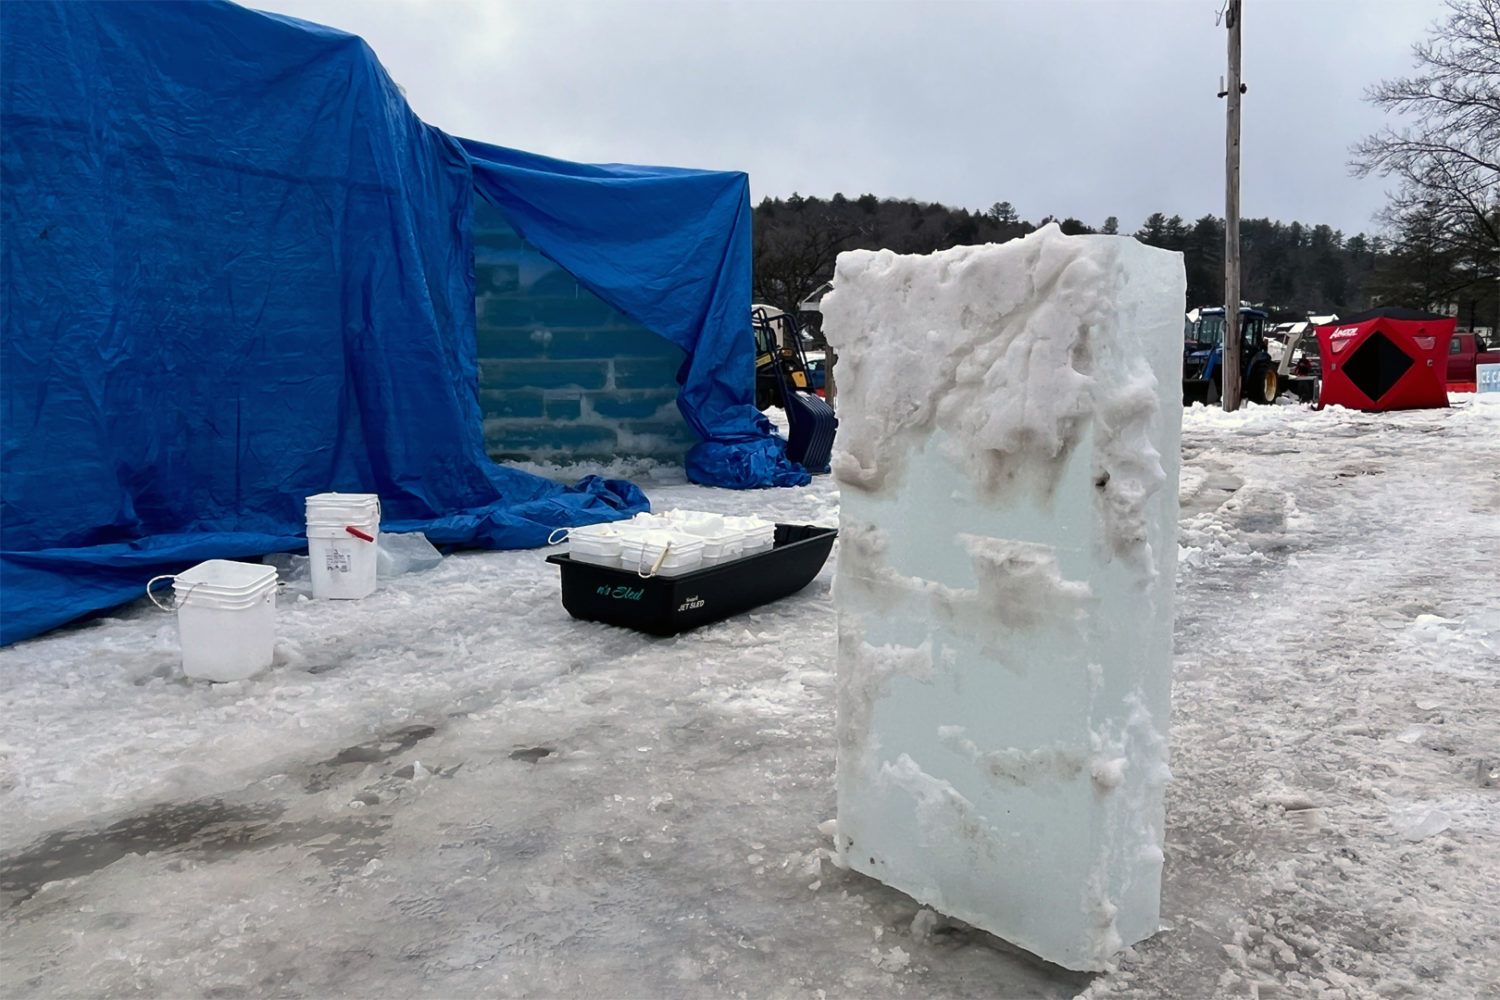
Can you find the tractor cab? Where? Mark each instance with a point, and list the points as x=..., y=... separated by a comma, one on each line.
x=781, y=379
x=780, y=355
x=1203, y=357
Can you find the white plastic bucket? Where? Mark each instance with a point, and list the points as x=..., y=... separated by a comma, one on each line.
x=343, y=544
x=595, y=543
x=343, y=565
x=226, y=619
x=661, y=553
x=724, y=547
x=682, y=557
x=598, y=544
x=759, y=534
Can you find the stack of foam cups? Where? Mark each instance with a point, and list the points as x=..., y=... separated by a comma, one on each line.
x=343, y=541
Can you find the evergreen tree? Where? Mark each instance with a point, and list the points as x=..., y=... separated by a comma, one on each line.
x=1004, y=213
x=1292, y=269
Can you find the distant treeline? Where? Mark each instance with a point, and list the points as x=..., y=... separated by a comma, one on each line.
x=1291, y=269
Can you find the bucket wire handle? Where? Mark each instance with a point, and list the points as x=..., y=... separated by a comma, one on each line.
x=656, y=565
x=159, y=604
x=552, y=539
x=358, y=533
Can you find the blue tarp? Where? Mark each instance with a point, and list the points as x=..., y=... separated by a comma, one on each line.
x=237, y=270
x=670, y=248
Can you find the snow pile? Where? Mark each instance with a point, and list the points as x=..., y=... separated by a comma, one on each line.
x=1009, y=419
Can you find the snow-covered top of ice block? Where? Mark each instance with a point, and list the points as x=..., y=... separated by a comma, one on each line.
x=1014, y=351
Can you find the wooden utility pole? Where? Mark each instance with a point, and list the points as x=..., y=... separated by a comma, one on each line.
x=1230, y=378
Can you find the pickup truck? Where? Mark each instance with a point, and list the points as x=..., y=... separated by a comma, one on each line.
x=1465, y=352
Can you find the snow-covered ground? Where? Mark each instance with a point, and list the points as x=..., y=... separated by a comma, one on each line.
x=453, y=789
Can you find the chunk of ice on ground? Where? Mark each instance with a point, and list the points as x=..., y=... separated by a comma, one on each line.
x=406, y=553
x=1420, y=822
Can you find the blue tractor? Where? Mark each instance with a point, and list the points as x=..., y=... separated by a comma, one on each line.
x=1203, y=358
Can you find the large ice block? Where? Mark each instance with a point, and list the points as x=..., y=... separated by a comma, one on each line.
x=1009, y=426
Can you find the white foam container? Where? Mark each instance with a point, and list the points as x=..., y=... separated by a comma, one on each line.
x=342, y=564
x=226, y=619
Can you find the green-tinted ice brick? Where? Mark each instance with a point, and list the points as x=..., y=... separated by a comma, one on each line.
x=617, y=342
x=647, y=373
x=530, y=438
x=510, y=403
x=508, y=312
x=503, y=374
x=584, y=310
x=566, y=408
x=631, y=405
x=511, y=342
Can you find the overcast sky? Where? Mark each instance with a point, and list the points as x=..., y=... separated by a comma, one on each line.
x=1086, y=108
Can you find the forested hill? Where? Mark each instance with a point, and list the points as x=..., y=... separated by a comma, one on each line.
x=1290, y=268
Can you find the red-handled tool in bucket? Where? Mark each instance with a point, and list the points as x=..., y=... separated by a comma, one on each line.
x=358, y=534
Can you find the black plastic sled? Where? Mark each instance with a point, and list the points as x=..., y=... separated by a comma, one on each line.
x=667, y=605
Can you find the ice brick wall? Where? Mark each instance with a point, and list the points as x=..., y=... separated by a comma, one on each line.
x=562, y=375
x=1009, y=425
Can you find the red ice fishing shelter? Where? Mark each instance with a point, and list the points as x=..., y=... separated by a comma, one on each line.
x=1385, y=360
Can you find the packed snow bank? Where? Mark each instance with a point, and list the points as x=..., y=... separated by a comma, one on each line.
x=1009, y=419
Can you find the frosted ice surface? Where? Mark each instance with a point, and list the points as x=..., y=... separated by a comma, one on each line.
x=1008, y=447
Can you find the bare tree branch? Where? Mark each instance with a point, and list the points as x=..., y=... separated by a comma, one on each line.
x=1444, y=149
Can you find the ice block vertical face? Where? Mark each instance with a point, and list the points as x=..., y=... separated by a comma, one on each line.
x=1009, y=425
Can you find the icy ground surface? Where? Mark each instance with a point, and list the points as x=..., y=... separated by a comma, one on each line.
x=452, y=789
